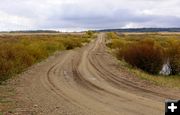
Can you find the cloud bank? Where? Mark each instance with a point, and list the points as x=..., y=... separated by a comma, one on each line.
x=71, y=15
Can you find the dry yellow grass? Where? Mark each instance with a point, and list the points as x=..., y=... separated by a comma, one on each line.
x=18, y=52
x=169, y=43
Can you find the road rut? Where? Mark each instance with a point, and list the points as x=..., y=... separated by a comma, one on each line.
x=87, y=81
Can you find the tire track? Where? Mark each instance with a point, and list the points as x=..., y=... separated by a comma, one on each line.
x=80, y=82
x=96, y=62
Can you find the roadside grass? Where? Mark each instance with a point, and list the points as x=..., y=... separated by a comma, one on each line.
x=165, y=42
x=6, y=102
x=17, y=52
x=167, y=81
x=172, y=81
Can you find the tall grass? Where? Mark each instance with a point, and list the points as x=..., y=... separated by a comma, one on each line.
x=144, y=55
x=147, y=51
x=173, y=55
x=22, y=51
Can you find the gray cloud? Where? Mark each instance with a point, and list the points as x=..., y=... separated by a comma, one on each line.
x=93, y=14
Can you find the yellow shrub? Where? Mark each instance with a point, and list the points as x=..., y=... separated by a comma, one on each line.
x=20, y=52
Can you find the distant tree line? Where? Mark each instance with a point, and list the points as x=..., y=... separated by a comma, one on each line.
x=35, y=31
x=142, y=30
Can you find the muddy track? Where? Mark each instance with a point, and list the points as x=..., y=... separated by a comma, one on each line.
x=87, y=81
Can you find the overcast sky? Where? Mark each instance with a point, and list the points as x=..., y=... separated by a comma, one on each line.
x=70, y=15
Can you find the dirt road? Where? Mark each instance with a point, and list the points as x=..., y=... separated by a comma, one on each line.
x=87, y=81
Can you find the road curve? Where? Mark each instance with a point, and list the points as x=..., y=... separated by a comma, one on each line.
x=86, y=81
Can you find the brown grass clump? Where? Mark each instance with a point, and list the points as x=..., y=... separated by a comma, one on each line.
x=173, y=55
x=144, y=55
x=147, y=51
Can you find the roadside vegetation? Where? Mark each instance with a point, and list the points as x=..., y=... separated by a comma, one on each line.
x=17, y=52
x=147, y=54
